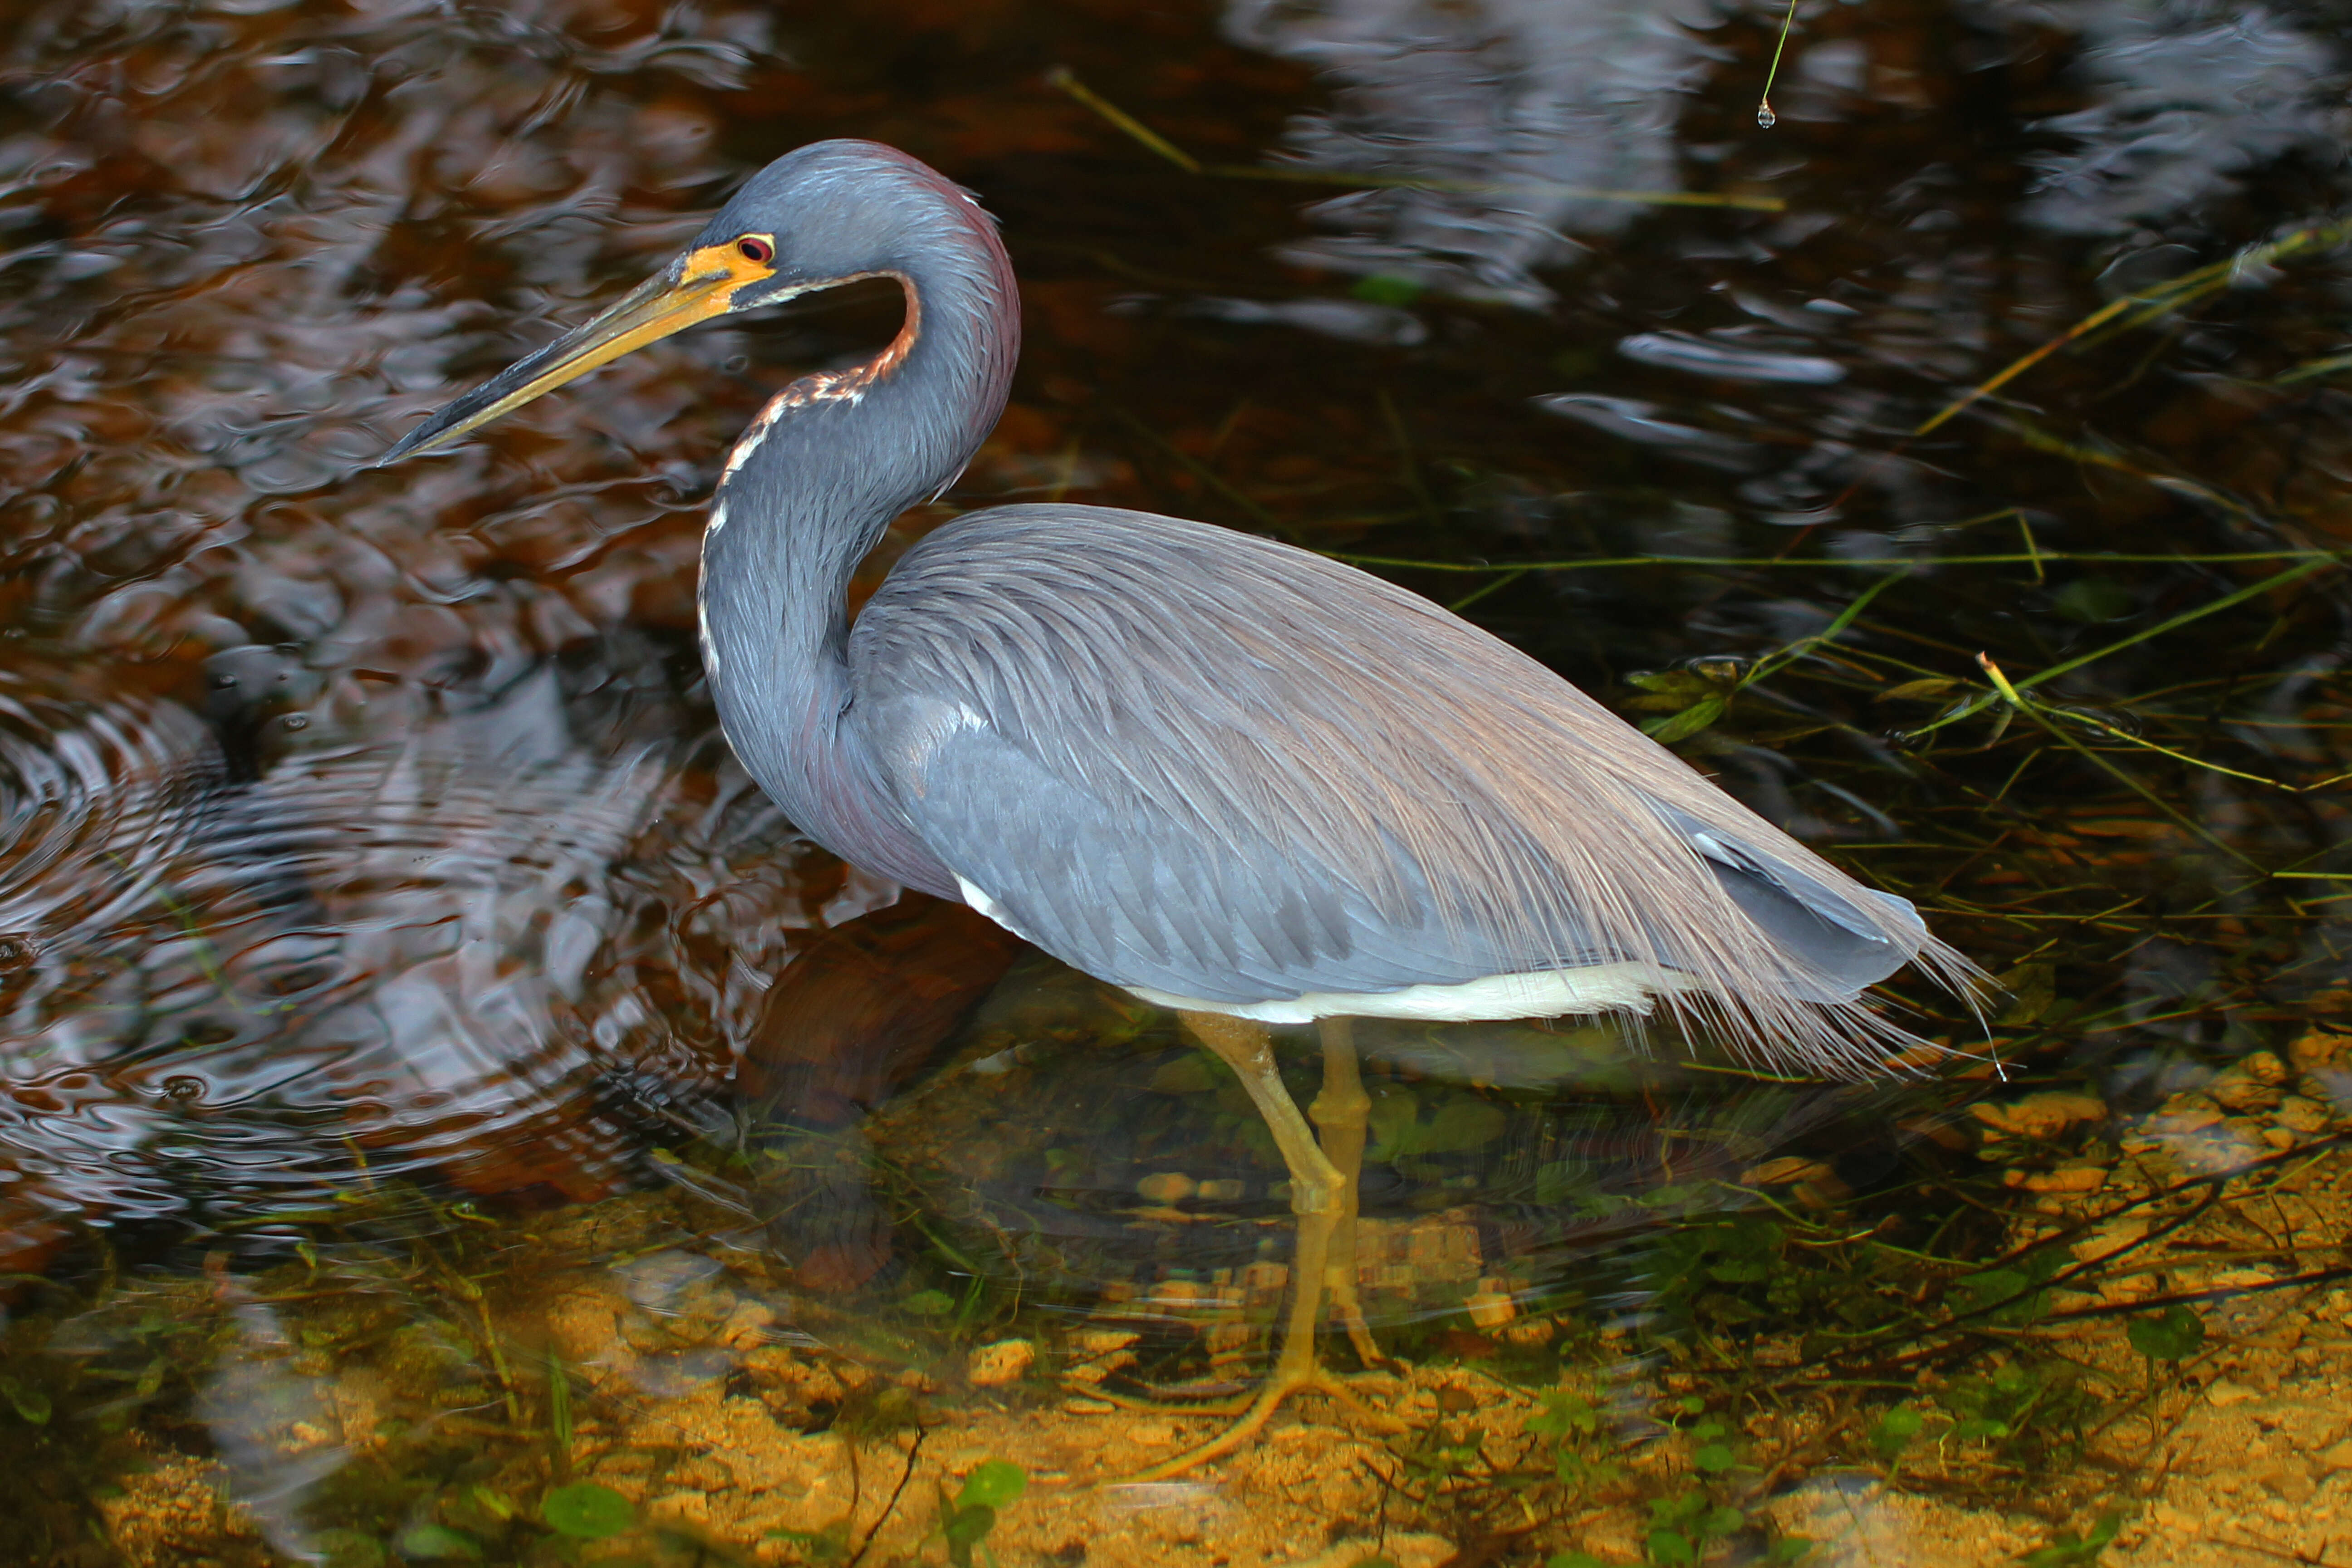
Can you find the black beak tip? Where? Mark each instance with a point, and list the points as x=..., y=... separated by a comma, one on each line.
x=403, y=446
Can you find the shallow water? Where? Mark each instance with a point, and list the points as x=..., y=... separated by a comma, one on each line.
x=430, y=1077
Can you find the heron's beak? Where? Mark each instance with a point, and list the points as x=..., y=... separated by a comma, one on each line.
x=699, y=285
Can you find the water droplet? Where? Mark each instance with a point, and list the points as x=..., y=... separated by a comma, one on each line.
x=1765, y=117
x=295, y=721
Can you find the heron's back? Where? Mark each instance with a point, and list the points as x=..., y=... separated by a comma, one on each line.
x=1213, y=767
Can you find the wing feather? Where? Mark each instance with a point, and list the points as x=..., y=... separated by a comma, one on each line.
x=1204, y=764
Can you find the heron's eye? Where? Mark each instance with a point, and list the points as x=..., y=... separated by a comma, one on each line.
x=753, y=248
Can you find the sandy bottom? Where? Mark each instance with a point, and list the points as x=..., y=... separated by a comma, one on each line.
x=741, y=1425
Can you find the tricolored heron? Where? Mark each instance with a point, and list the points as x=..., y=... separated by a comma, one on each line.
x=1238, y=779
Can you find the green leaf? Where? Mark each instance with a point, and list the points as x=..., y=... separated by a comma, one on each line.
x=28, y=1403
x=1894, y=1430
x=963, y=1529
x=2010, y=1292
x=437, y=1543
x=830, y=1544
x=2066, y=1552
x=1714, y=1457
x=2093, y=600
x=1386, y=289
x=969, y=1526
x=1574, y=1469
x=1689, y=722
x=1394, y=1123
x=1671, y=1549
x=2031, y=988
x=1461, y=1125
x=587, y=1512
x=1684, y=687
x=1562, y=1182
x=1194, y=1072
x=930, y=1303
x=559, y=1404
x=347, y=1548
x=1562, y=1414
x=2173, y=1334
x=1917, y=691
x=992, y=1484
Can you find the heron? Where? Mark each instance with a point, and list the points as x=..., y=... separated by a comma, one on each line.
x=1236, y=778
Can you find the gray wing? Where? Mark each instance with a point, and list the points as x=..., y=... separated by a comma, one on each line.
x=1201, y=762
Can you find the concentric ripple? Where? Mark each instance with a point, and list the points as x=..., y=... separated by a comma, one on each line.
x=455, y=954
x=95, y=788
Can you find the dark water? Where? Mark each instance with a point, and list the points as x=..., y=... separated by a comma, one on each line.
x=370, y=850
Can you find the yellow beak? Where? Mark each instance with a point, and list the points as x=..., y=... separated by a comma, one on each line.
x=698, y=286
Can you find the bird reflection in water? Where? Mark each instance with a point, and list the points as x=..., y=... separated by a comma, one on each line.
x=862, y=1010
x=1237, y=779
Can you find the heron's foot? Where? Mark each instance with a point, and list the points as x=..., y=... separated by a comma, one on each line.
x=1322, y=1196
x=1260, y=1410
x=1350, y=1314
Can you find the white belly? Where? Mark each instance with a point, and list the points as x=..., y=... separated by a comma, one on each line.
x=1541, y=994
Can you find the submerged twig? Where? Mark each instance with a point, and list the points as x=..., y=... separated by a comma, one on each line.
x=558, y=1409
x=2251, y=590
x=1765, y=117
x=2077, y=452
x=1798, y=649
x=1201, y=471
x=1062, y=78
x=2036, y=557
x=2160, y=301
x=914, y=1451
x=2033, y=710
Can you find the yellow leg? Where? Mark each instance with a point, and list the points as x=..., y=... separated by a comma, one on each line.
x=1320, y=1195
x=1341, y=1114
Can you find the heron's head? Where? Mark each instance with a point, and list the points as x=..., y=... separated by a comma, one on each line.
x=830, y=212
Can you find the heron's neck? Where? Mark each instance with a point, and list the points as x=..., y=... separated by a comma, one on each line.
x=833, y=458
